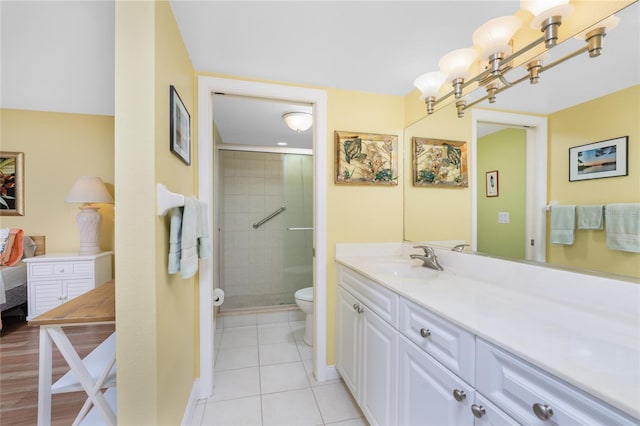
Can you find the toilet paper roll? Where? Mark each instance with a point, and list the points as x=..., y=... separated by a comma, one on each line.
x=218, y=296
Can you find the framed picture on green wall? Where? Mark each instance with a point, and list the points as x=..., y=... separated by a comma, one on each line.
x=492, y=183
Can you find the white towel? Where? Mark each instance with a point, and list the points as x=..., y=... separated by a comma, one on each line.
x=175, y=235
x=623, y=226
x=563, y=223
x=589, y=217
x=189, y=253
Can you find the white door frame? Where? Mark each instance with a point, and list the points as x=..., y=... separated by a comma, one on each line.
x=207, y=86
x=536, y=190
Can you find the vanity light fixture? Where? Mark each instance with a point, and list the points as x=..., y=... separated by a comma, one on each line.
x=88, y=190
x=298, y=121
x=493, y=55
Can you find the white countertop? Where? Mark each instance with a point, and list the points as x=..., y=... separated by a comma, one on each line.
x=581, y=328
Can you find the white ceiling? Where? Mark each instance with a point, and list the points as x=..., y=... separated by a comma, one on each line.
x=59, y=55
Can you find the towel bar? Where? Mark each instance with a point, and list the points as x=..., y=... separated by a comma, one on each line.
x=167, y=200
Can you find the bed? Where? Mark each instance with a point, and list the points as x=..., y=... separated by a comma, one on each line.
x=14, y=280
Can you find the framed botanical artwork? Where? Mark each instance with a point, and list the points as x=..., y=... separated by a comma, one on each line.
x=492, y=183
x=180, y=127
x=11, y=183
x=597, y=160
x=365, y=158
x=439, y=163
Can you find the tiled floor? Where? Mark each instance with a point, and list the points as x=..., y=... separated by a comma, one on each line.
x=263, y=377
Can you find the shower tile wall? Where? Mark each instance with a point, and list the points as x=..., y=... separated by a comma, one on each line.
x=264, y=266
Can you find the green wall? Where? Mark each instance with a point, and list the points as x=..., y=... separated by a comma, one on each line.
x=505, y=151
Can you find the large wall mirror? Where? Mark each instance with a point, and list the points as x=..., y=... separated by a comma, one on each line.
x=580, y=101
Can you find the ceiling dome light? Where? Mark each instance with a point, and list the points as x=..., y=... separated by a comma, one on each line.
x=298, y=121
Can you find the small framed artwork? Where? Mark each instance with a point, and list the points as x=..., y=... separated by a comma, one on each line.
x=597, y=160
x=180, y=127
x=439, y=163
x=11, y=183
x=492, y=183
x=368, y=159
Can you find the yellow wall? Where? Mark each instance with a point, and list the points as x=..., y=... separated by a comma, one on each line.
x=357, y=213
x=58, y=148
x=156, y=315
x=437, y=213
x=604, y=118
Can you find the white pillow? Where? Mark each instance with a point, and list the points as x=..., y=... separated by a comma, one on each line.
x=29, y=247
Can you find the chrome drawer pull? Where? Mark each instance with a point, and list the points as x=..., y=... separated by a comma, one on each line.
x=478, y=410
x=360, y=310
x=459, y=395
x=542, y=411
x=355, y=306
x=425, y=332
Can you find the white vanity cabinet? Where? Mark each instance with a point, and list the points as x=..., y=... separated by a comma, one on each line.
x=368, y=346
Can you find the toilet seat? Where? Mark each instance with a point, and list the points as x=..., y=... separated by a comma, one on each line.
x=305, y=294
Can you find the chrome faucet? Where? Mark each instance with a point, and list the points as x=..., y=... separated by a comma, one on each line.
x=429, y=259
x=459, y=248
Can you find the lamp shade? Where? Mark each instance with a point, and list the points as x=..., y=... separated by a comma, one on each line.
x=494, y=36
x=298, y=121
x=89, y=189
x=429, y=83
x=457, y=62
x=545, y=9
x=608, y=24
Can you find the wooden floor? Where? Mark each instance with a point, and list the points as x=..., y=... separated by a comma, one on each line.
x=19, y=372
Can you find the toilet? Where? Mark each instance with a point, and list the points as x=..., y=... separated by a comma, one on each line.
x=304, y=300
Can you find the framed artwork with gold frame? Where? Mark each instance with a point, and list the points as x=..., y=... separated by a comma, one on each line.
x=11, y=183
x=366, y=158
x=439, y=163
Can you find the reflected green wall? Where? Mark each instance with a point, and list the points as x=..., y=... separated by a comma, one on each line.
x=505, y=151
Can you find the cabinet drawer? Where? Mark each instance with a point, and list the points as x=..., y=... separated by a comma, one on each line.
x=61, y=269
x=449, y=344
x=380, y=300
x=518, y=387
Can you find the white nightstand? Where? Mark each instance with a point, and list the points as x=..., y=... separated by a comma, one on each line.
x=54, y=279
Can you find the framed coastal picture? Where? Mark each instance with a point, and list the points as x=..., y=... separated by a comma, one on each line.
x=11, y=183
x=180, y=127
x=439, y=163
x=492, y=189
x=365, y=158
x=597, y=160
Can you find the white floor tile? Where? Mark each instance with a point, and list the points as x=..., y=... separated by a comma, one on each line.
x=274, y=333
x=308, y=366
x=361, y=421
x=306, y=352
x=294, y=408
x=283, y=377
x=273, y=317
x=239, y=336
x=236, y=383
x=234, y=412
x=297, y=328
x=231, y=321
x=336, y=403
x=198, y=412
x=233, y=358
x=278, y=353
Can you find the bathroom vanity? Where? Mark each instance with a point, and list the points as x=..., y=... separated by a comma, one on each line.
x=486, y=341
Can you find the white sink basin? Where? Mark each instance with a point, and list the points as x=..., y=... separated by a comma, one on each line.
x=399, y=267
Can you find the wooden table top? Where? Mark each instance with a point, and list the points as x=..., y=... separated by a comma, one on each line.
x=97, y=305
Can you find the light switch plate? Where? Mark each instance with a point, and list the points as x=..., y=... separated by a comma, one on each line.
x=503, y=217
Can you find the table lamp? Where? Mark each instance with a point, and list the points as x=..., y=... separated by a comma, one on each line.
x=87, y=190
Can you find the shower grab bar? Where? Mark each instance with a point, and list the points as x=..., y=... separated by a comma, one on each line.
x=299, y=229
x=268, y=218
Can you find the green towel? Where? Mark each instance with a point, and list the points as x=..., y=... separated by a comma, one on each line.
x=563, y=224
x=622, y=223
x=590, y=217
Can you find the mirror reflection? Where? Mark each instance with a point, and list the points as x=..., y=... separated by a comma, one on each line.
x=586, y=100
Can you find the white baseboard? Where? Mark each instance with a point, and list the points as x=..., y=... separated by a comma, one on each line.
x=332, y=373
x=191, y=404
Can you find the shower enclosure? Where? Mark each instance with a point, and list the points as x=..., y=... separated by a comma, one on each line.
x=266, y=235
